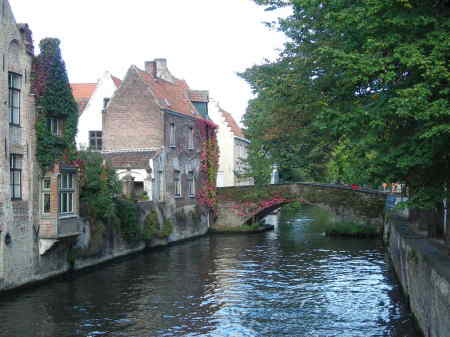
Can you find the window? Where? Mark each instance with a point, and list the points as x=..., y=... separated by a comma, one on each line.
x=172, y=135
x=14, y=85
x=54, y=126
x=95, y=140
x=46, y=204
x=161, y=185
x=177, y=183
x=190, y=138
x=66, y=193
x=105, y=103
x=191, y=184
x=15, y=164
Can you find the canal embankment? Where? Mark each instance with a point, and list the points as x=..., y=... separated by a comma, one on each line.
x=100, y=242
x=423, y=269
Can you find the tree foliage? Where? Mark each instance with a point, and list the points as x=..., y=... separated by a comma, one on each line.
x=361, y=90
x=54, y=99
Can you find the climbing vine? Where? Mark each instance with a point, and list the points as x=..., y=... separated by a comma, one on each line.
x=209, y=164
x=152, y=228
x=54, y=103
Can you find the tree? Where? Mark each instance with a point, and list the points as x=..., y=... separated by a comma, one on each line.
x=378, y=72
x=371, y=75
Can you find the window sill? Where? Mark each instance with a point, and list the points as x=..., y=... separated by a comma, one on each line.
x=67, y=216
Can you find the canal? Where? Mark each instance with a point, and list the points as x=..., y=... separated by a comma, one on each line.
x=290, y=282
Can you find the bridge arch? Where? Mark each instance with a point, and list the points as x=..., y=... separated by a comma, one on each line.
x=239, y=205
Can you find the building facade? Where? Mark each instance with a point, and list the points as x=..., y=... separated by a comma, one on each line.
x=17, y=165
x=150, y=135
x=92, y=99
x=233, y=148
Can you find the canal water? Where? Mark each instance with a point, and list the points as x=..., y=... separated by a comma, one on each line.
x=290, y=282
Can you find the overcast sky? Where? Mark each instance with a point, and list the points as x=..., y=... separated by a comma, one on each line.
x=205, y=42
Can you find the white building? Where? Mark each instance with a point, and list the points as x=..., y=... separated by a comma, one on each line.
x=92, y=99
x=233, y=149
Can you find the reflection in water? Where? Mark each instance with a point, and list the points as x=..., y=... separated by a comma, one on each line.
x=291, y=282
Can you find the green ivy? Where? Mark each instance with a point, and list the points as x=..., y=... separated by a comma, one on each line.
x=152, y=228
x=54, y=99
x=129, y=226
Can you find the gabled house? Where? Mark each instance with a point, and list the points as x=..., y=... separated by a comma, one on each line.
x=233, y=148
x=150, y=134
x=92, y=100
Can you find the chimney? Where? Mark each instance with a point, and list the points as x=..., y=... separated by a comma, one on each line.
x=150, y=67
x=162, y=72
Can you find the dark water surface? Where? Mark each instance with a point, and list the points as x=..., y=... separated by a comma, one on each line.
x=290, y=282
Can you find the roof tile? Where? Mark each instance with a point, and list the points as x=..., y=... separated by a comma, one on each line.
x=172, y=96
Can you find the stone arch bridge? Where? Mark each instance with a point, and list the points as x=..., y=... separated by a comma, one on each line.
x=239, y=205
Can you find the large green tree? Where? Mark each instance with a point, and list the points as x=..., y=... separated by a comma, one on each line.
x=365, y=83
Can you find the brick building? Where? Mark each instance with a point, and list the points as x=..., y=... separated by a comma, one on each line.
x=150, y=135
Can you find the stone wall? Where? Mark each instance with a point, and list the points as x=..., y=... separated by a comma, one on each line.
x=18, y=239
x=99, y=243
x=423, y=269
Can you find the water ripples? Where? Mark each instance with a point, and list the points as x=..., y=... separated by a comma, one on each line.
x=285, y=283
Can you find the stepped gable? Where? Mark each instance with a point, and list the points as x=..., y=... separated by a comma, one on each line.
x=232, y=124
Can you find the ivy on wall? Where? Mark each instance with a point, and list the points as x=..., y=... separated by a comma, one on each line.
x=209, y=164
x=54, y=99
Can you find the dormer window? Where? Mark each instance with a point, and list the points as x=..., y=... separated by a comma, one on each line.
x=54, y=126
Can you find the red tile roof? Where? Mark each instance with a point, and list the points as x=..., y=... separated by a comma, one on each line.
x=171, y=96
x=237, y=131
x=117, y=81
x=82, y=92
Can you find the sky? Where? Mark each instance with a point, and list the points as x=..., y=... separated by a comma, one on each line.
x=205, y=42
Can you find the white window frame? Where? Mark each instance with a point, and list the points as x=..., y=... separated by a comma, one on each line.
x=46, y=192
x=14, y=98
x=54, y=124
x=172, y=139
x=177, y=184
x=15, y=169
x=161, y=185
x=191, y=184
x=190, y=144
x=94, y=135
x=66, y=193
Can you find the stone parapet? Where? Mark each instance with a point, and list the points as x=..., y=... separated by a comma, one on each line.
x=423, y=268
